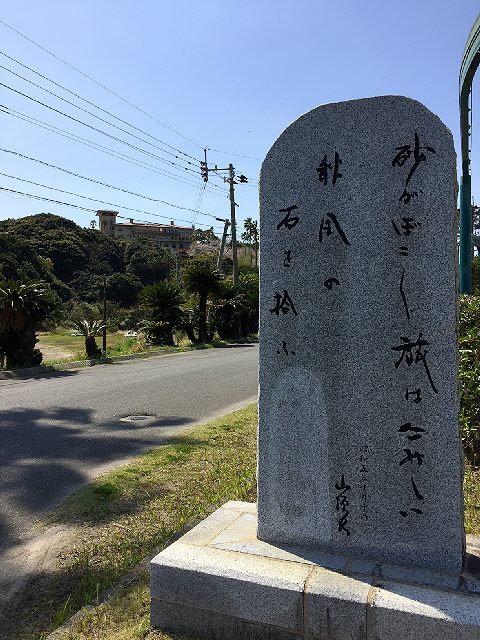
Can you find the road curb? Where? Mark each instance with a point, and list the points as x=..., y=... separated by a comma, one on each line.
x=64, y=366
x=33, y=372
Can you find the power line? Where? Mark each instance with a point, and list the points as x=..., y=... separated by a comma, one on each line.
x=30, y=195
x=216, y=175
x=103, y=184
x=197, y=195
x=98, y=147
x=78, y=195
x=114, y=94
x=110, y=124
x=76, y=206
x=199, y=201
x=77, y=175
x=228, y=153
x=57, y=84
x=131, y=104
x=105, y=133
x=94, y=145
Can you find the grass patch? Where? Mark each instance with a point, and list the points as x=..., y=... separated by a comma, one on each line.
x=132, y=511
x=126, y=616
x=63, y=340
x=118, y=344
x=471, y=493
x=68, y=342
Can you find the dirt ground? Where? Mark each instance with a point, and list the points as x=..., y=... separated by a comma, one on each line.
x=26, y=568
x=53, y=353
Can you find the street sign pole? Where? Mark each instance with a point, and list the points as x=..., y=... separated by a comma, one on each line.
x=466, y=233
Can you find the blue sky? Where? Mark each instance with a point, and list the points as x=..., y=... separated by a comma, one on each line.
x=230, y=76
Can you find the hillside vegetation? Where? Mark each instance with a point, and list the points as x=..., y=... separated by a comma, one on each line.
x=53, y=274
x=74, y=260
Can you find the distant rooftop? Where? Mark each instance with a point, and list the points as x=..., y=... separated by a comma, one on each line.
x=153, y=225
x=132, y=222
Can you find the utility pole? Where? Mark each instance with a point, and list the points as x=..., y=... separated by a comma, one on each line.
x=204, y=169
x=224, y=239
x=104, y=330
x=231, y=182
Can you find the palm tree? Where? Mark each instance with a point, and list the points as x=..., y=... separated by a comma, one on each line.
x=89, y=329
x=227, y=310
x=202, y=279
x=22, y=307
x=162, y=301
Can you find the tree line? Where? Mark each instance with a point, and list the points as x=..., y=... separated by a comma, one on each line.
x=53, y=272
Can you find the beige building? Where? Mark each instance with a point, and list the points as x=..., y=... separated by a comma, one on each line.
x=168, y=236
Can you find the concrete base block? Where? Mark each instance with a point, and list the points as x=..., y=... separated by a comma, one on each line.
x=219, y=581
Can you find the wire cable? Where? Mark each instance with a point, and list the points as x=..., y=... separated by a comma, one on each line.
x=110, y=124
x=110, y=204
x=199, y=202
x=95, y=145
x=112, y=115
x=105, y=133
x=98, y=147
x=76, y=206
x=103, y=184
x=197, y=195
x=131, y=104
x=228, y=153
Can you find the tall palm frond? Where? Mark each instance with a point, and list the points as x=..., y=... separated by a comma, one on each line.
x=202, y=279
x=88, y=328
x=20, y=303
x=163, y=300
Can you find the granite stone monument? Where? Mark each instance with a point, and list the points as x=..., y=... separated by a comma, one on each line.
x=359, y=449
x=359, y=529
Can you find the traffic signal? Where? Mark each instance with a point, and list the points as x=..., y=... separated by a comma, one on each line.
x=204, y=170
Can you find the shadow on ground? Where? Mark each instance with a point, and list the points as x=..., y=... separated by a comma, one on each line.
x=46, y=372
x=40, y=453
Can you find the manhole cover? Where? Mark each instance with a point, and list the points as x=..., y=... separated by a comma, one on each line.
x=138, y=417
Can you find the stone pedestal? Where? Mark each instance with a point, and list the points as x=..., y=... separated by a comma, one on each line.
x=219, y=581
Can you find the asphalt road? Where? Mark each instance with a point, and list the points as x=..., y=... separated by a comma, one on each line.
x=59, y=431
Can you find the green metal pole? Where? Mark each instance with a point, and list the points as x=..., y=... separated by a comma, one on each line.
x=466, y=233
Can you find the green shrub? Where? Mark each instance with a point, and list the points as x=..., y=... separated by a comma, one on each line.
x=469, y=374
x=469, y=317
x=122, y=348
